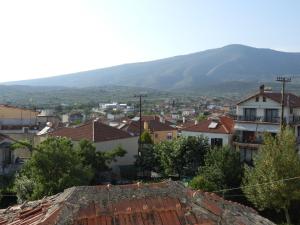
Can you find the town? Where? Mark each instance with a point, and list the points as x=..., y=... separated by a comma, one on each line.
x=143, y=112
x=140, y=141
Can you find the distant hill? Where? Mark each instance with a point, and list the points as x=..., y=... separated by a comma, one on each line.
x=197, y=71
x=49, y=97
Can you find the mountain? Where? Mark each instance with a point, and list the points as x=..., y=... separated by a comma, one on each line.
x=199, y=70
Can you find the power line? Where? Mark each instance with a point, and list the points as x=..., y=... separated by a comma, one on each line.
x=3, y=195
x=256, y=185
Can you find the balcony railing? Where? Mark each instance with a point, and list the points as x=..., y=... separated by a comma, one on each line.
x=249, y=140
x=294, y=119
x=258, y=119
x=262, y=119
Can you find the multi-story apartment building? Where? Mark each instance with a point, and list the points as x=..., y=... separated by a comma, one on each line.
x=261, y=113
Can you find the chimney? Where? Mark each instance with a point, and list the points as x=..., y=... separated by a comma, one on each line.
x=93, y=131
x=161, y=119
x=146, y=126
x=262, y=89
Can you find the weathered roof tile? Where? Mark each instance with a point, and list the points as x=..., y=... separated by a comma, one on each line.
x=166, y=203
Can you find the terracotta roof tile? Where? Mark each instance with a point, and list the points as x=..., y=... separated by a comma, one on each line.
x=166, y=203
x=154, y=125
x=93, y=131
x=225, y=126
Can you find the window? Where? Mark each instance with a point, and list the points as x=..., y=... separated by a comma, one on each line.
x=271, y=115
x=169, y=136
x=246, y=155
x=264, y=99
x=257, y=99
x=249, y=114
x=216, y=142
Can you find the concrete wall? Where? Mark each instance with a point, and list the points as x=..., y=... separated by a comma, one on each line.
x=130, y=145
x=226, y=137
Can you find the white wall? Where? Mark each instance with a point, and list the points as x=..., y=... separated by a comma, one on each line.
x=296, y=111
x=130, y=145
x=226, y=137
x=260, y=106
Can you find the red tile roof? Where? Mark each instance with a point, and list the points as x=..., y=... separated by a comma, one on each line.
x=289, y=98
x=93, y=131
x=154, y=125
x=166, y=203
x=152, y=118
x=225, y=126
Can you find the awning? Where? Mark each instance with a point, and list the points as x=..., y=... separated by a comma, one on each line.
x=273, y=128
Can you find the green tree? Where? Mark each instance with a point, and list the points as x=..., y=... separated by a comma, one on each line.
x=146, y=138
x=99, y=161
x=23, y=144
x=221, y=170
x=201, y=117
x=146, y=160
x=52, y=168
x=264, y=184
x=181, y=156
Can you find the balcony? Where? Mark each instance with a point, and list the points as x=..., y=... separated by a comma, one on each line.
x=290, y=119
x=247, y=142
x=257, y=119
x=294, y=119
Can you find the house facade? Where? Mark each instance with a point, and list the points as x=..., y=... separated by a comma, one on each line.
x=11, y=160
x=261, y=113
x=159, y=128
x=15, y=116
x=218, y=131
x=104, y=137
x=18, y=123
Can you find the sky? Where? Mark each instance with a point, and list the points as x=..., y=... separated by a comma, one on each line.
x=40, y=38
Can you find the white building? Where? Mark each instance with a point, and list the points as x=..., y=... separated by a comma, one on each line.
x=261, y=113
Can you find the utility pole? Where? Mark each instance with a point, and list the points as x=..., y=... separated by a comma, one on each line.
x=140, y=96
x=283, y=80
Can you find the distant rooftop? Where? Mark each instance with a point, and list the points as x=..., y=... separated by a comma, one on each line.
x=92, y=130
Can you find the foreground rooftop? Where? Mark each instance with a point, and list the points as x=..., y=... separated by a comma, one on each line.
x=158, y=203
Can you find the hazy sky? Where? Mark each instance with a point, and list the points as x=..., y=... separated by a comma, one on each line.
x=51, y=37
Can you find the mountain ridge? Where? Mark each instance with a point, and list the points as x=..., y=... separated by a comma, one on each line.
x=233, y=62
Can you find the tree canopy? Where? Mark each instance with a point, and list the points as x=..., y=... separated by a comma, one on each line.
x=146, y=138
x=181, y=156
x=57, y=164
x=221, y=170
x=274, y=181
